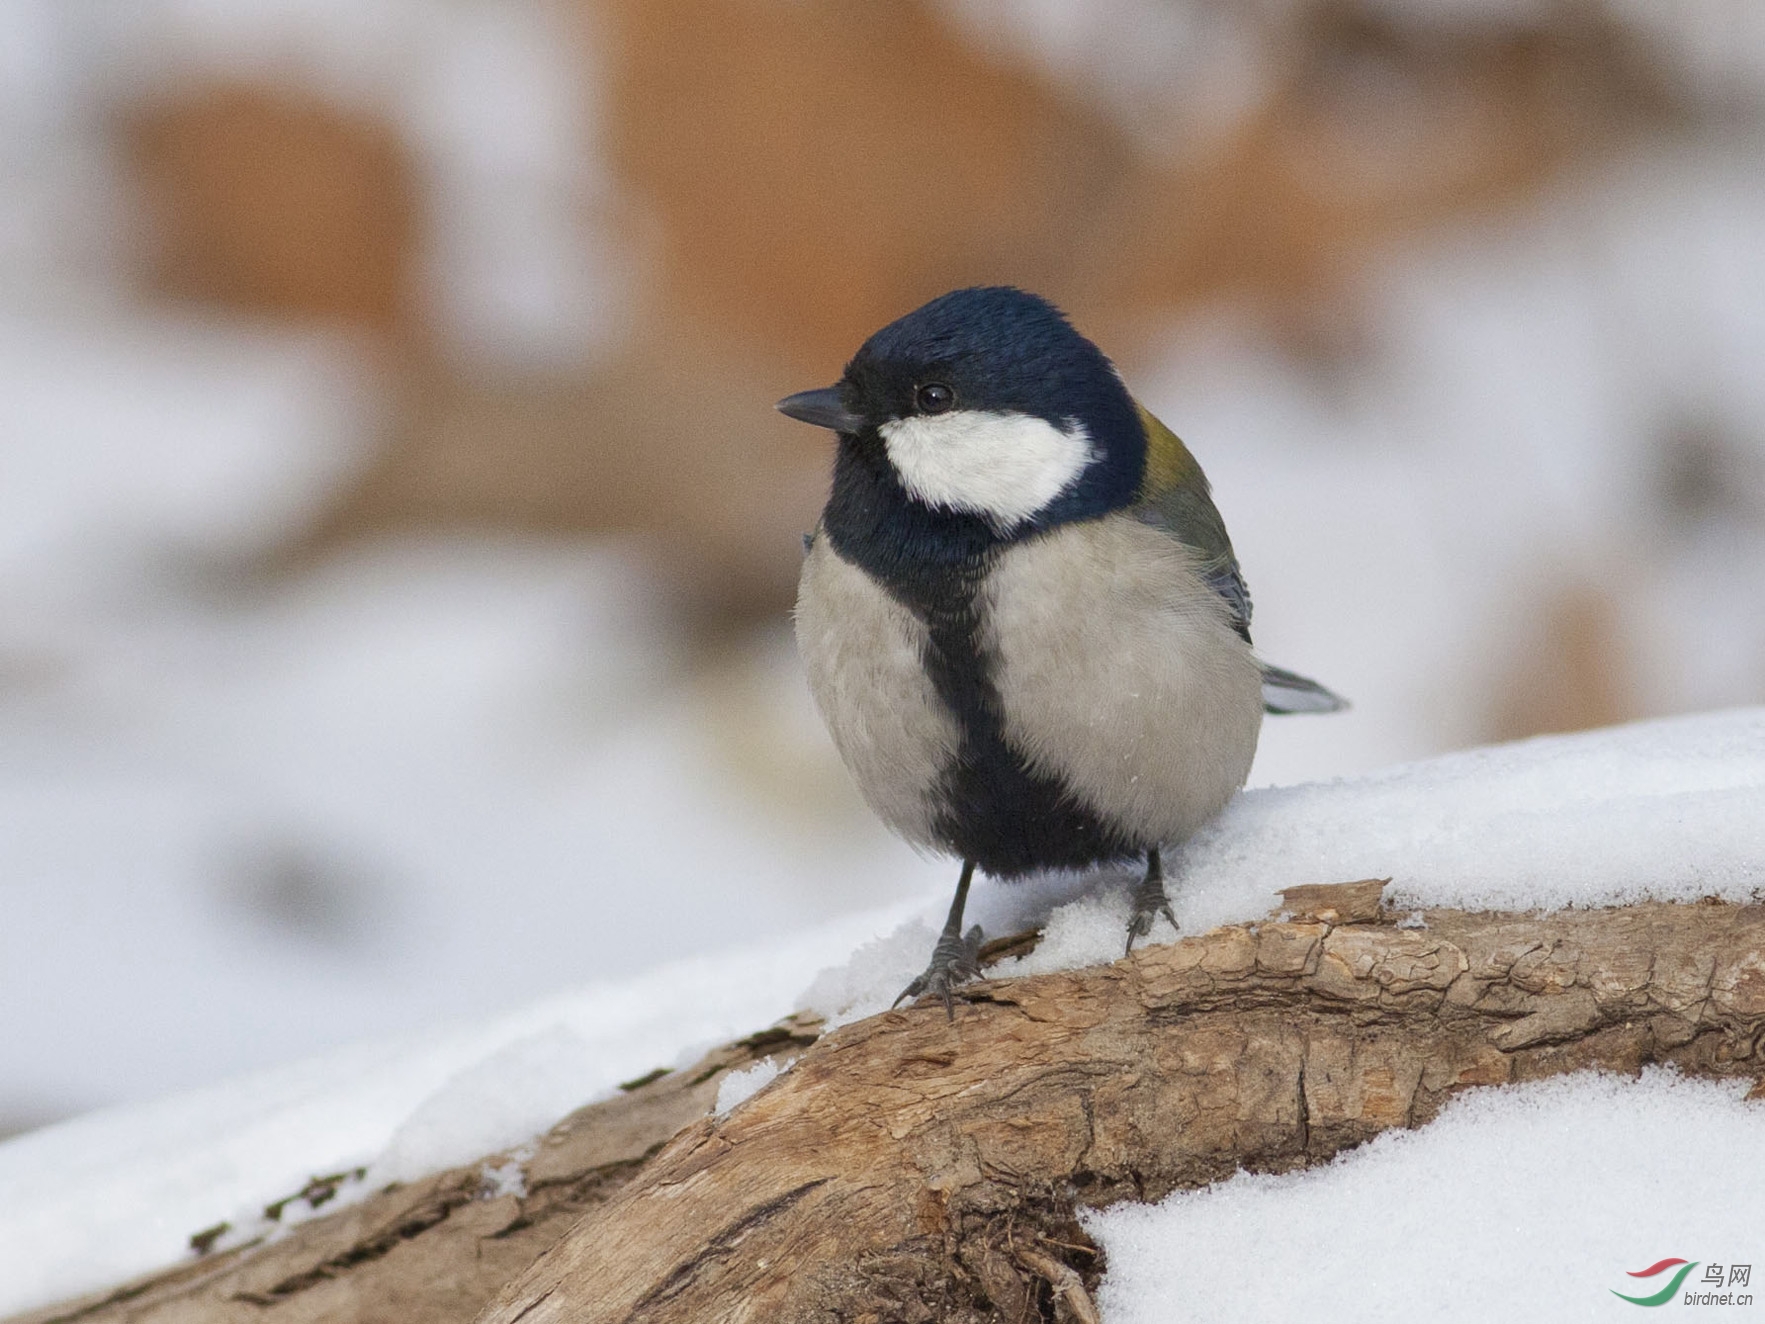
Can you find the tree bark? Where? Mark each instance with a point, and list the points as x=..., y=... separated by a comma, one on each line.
x=912, y=1168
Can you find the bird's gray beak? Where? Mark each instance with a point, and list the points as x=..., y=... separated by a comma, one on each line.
x=822, y=408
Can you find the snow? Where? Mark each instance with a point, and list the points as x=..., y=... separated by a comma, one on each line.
x=1528, y=1202
x=95, y=1200
x=1089, y=930
x=263, y=425
x=1672, y=809
x=740, y=1086
x=507, y=1178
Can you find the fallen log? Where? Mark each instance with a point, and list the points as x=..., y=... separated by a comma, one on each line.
x=911, y=1168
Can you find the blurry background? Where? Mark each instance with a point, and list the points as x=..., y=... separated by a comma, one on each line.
x=396, y=536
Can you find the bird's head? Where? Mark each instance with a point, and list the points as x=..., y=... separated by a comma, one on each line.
x=986, y=403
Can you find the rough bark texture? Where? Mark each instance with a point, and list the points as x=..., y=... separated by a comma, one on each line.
x=909, y=1168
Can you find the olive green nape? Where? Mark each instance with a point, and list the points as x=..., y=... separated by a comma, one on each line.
x=1168, y=461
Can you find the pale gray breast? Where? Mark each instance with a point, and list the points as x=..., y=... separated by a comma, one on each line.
x=1118, y=672
x=865, y=657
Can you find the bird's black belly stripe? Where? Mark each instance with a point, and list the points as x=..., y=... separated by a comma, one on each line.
x=991, y=808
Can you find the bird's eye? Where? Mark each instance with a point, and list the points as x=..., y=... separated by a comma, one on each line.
x=934, y=398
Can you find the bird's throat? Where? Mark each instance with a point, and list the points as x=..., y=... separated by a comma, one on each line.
x=918, y=552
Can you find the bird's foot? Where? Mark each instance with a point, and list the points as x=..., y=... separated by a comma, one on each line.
x=1149, y=903
x=955, y=960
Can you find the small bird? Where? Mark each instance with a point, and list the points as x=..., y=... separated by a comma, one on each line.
x=1019, y=613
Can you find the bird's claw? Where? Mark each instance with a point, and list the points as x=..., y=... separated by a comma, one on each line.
x=955, y=960
x=1149, y=903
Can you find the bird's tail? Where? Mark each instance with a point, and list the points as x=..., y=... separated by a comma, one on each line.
x=1286, y=692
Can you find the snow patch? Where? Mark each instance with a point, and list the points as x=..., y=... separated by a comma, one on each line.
x=872, y=978
x=740, y=1086
x=1669, y=810
x=1527, y=1202
x=506, y=1178
x=510, y=1096
x=1091, y=930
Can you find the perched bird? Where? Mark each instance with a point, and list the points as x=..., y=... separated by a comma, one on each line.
x=1020, y=614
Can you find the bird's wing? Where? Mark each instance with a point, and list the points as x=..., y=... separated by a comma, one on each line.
x=1174, y=496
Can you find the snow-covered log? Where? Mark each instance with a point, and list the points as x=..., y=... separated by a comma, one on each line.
x=907, y=1167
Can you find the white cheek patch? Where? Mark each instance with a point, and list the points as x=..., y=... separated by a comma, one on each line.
x=1005, y=467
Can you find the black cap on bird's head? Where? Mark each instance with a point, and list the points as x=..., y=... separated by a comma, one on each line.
x=986, y=403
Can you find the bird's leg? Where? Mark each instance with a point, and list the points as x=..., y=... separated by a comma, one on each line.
x=957, y=957
x=1149, y=900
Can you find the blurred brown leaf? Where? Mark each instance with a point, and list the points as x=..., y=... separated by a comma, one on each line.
x=277, y=203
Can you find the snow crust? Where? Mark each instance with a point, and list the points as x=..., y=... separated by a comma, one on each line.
x=1527, y=1202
